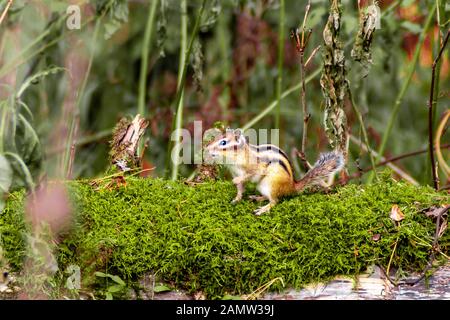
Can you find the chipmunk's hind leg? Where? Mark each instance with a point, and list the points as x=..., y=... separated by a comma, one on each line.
x=265, y=208
x=265, y=188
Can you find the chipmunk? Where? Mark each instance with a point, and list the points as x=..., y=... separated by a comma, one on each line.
x=268, y=166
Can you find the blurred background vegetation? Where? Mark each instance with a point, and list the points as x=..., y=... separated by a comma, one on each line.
x=62, y=91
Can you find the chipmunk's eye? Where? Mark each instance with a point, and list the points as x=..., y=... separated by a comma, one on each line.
x=223, y=142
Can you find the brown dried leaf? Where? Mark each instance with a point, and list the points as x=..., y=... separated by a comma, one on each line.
x=396, y=214
x=442, y=228
x=376, y=237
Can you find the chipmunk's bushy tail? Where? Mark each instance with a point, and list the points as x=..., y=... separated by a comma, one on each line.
x=326, y=166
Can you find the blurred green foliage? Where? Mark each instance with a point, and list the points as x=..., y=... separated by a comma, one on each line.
x=232, y=76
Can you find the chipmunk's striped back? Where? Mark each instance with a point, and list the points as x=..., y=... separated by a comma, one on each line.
x=269, y=153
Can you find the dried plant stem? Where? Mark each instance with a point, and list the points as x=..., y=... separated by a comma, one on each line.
x=431, y=101
x=312, y=55
x=437, y=143
x=402, y=92
x=306, y=115
x=396, y=158
x=392, y=256
x=5, y=11
x=363, y=129
x=280, y=61
x=144, y=59
x=257, y=293
x=396, y=169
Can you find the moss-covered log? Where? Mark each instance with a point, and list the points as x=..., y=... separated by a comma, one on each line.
x=194, y=238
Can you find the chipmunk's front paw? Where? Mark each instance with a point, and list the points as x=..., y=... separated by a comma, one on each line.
x=235, y=200
x=258, y=212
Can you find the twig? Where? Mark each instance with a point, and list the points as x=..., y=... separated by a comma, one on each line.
x=430, y=113
x=392, y=255
x=255, y=294
x=5, y=11
x=435, y=247
x=396, y=169
x=387, y=276
x=301, y=46
x=302, y=157
x=437, y=142
x=141, y=157
x=396, y=158
x=312, y=55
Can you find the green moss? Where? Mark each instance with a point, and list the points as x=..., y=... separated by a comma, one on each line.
x=194, y=237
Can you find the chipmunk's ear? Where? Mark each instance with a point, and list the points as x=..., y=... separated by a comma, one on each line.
x=238, y=134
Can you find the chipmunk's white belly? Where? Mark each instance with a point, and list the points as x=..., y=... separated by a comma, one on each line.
x=237, y=171
x=265, y=188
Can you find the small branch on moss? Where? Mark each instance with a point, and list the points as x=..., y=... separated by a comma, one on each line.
x=435, y=246
x=392, y=254
x=434, y=171
x=388, y=276
x=396, y=169
x=257, y=293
